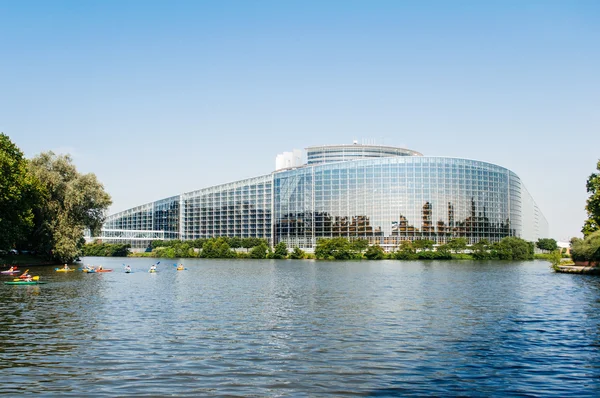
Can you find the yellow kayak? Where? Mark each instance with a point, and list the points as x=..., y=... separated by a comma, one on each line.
x=64, y=270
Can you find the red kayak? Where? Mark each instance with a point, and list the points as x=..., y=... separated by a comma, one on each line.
x=104, y=270
x=10, y=272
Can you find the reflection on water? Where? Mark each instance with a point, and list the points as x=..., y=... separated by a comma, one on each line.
x=303, y=328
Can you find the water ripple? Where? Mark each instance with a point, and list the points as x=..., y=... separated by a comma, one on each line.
x=286, y=328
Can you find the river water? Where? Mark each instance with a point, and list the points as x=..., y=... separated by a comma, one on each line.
x=302, y=328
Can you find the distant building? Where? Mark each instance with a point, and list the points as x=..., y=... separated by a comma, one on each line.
x=379, y=193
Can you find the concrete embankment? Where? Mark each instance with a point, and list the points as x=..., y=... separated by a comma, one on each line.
x=578, y=269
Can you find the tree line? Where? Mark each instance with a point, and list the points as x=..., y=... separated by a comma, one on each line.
x=509, y=248
x=45, y=204
x=588, y=248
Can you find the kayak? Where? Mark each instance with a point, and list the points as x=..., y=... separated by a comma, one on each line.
x=152, y=271
x=128, y=272
x=10, y=272
x=91, y=271
x=64, y=270
x=24, y=283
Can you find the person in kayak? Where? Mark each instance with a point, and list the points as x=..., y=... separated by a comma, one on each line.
x=26, y=277
x=127, y=268
x=180, y=267
x=99, y=268
x=153, y=268
x=66, y=267
x=11, y=269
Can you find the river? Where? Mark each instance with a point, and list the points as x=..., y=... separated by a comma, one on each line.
x=302, y=328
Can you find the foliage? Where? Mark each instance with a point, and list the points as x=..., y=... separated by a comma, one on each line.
x=297, y=254
x=457, y=245
x=359, y=245
x=480, y=250
x=592, y=207
x=423, y=244
x=17, y=195
x=406, y=251
x=217, y=248
x=375, y=252
x=106, y=249
x=587, y=249
x=259, y=252
x=280, y=251
x=512, y=248
x=555, y=259
x=69, y=202
x=336, y=249
x=547, y=244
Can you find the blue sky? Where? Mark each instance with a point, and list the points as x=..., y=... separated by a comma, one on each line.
x=163, y=97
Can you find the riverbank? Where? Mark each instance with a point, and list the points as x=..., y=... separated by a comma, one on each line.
x=578, y=269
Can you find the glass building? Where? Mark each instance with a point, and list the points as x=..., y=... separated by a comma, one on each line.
x=379, y=193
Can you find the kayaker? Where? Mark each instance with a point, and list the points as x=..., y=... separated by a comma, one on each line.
x=66, y=267
x=127, y=268
x=26, y=276
x=180, y=267
x=11, y=269
x=99, y=268
x=153, y=268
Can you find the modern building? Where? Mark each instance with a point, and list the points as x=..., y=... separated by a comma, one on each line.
x=380, y=193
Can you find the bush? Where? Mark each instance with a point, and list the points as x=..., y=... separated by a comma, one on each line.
x=375, y=252
x=587, y=249
x=297, y=254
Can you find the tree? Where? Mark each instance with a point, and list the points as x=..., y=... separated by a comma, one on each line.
x=259, y=252
x=481, y=249
x=423, y=244
x=17, y=194
x=406, y=251
x=297, y=254
x=547, y=244
x=69, y=203
x=592, y=207
x=513, y=248
x=587, y=249
x=457, y=244
x=280, y=251
x=375, y=252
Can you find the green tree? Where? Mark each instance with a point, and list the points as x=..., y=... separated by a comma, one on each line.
x=457, y=245
x=69, y=203
x=359, y=245
x=592, y=207
x=216, y=248
x=374, y=252
x=334, y=249
x=513, y=248
x=423, y=244
x=259, y=252
x=297, y=254
x=280, y=251
x=17, y=194
x=587, y=249
x=481, y=250
x=547, y=244
x=406, y=251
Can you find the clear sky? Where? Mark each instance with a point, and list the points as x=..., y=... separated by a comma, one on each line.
x=163, y=97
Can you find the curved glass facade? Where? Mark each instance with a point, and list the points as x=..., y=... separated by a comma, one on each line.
x=340, y=153
x=388, y=200
x=382, y=199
